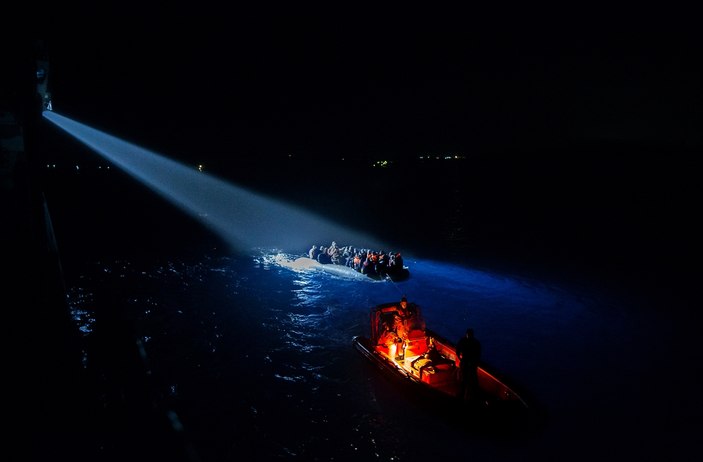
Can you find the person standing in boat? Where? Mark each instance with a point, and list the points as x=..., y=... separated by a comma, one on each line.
x=313, y=252
x=333, y=253
x=410, y=321
x=468, y=350
x=405, y=310
x=408, y=311
x=322, y=256
x=395, y=265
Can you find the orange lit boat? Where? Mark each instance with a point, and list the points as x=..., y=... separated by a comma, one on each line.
x=404, y=353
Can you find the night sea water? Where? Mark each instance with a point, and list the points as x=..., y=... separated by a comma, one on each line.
x=256, y=359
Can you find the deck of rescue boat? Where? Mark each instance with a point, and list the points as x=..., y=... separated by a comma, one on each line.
x=441, y=377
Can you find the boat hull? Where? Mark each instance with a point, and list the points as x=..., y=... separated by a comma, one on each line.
x=436, y=385
x=306, y=263
x=395, y=276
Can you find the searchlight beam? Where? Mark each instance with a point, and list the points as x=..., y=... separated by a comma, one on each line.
x=245, y=220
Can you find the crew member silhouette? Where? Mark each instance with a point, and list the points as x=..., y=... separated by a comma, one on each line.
x=468, y=350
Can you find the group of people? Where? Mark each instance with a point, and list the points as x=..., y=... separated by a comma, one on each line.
x=366, y=261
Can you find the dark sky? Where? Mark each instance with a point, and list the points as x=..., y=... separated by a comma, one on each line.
x=358, y=84
x=595, y=125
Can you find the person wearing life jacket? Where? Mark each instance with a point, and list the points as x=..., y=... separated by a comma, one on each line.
x=411, y=319
x=333, y=253
x=356, y=262
x=382, y=263
x=406, y=310
x=388, y=336
x=374, y=258
x=368, y=267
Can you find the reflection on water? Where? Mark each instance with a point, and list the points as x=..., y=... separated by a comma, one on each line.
x=309, y=292
x=256, y=357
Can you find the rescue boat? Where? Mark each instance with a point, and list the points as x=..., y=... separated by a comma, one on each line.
x=424, y=362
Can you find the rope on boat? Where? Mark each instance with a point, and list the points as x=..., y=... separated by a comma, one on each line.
x=389, y=279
